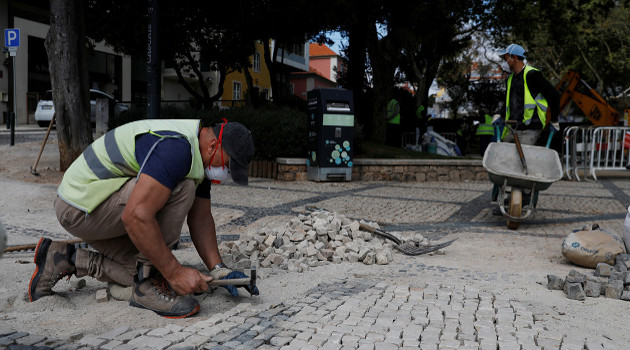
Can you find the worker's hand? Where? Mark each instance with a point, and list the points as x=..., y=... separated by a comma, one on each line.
x=232, y=289
x=189, y=281
x=555, y=126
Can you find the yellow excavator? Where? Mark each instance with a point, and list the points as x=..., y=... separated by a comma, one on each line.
x=572, y=88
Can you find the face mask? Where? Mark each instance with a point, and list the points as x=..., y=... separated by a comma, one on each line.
x=505, y=66
x=217, y=174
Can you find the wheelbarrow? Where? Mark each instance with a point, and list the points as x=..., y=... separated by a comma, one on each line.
x=516, y=169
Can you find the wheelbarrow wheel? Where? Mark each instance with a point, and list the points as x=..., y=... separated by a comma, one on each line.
x=516, y=203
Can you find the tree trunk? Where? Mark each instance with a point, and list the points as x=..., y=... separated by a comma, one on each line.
x=249, y=98
x=65, y=45
x=273, y=78
x=383, y=68
x=355, y=74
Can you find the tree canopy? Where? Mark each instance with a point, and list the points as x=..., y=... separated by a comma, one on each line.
x=389, y=42
x=589, y=36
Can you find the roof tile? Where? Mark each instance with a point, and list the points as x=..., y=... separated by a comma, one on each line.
x=316, y=49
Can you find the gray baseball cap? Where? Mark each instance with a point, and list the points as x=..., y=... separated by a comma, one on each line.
x=238, y=142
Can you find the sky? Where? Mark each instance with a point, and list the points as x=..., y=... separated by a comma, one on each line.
x=338, y=39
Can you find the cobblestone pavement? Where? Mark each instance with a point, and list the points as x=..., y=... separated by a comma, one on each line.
x=367, y=312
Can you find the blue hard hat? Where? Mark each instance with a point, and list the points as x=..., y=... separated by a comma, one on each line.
x=513, y=49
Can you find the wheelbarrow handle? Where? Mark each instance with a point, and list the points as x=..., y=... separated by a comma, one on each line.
x=519, y=149
x=497, y=132
x=551, y=132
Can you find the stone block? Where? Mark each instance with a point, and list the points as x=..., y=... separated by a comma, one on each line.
x=111, y=345
x=592, y=289
x=150, y=342
x=92, y=340
x=266, y=262
x=614, y=289
x=575, y=291
x=623, y=258
x=115, y=333
x=124, y=347
x=603, y=270
x=625, y=296
x=132, y=334
x=615, y=275
x=597, y=279
x=370, y=258
x=555, y=282
x=30, y=339
x=382, y=258
x=575, y=277
x=621, y=266
x=102, y=296
x=353, y=257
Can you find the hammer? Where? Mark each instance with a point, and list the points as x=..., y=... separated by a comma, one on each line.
x=251, y=281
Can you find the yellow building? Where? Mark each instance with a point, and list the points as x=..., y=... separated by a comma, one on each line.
x=235, y=85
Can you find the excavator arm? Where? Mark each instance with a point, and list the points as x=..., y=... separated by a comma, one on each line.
x=596, y=109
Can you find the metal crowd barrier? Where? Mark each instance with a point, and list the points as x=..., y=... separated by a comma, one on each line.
x=588, y=149
x=609, y=149
x=575, y=153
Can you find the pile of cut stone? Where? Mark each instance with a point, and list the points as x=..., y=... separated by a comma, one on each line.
x=607, y=280
x=313, y=239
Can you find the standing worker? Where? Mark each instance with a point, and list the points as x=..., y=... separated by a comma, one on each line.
x=393, y=132
x=485, y=132
x=127, y=196
x=529, y=96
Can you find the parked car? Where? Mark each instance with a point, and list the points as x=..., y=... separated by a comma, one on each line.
x=45, y=108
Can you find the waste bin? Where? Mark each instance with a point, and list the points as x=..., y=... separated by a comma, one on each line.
x=330, y=135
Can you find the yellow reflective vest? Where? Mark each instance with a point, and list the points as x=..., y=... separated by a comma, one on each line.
x=486, y=127
x=539, y=103
x=110, y=161
x=393, y=112
x=419, y=112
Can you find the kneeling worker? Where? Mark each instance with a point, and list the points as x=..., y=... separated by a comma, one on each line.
x=127, y=196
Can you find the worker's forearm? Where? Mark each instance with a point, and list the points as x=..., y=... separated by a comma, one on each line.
x=148, y=239
x=205, y=240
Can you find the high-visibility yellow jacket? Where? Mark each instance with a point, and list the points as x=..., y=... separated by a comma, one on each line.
x=486, y=127
x=393, y=112
x=539, y=103
x=109, y=162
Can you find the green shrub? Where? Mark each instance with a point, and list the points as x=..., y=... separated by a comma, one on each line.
x=277, y=131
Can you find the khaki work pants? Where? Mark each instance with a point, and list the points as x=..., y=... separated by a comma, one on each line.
x=116, y=256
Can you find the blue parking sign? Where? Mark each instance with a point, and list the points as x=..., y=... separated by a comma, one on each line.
x=12, y=37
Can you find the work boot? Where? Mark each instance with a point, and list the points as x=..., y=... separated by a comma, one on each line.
x=53, y=261
x=155, y=294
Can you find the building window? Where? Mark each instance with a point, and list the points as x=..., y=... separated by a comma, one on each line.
x=297, y=49
x=236, y=91
x=256, y=63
